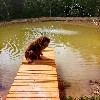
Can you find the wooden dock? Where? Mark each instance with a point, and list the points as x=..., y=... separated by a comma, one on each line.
x=36, y=81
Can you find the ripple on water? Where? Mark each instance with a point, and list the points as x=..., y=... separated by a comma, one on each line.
x=55, y=31
x=10, y=59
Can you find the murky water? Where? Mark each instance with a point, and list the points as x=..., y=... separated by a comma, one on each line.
x=77, y=53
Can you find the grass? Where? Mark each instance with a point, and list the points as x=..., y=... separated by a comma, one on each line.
x=82, y=98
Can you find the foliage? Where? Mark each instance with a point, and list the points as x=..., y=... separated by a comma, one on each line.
x=84, y=98
x=14, y=9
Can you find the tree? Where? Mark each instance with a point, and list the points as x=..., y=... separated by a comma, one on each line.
x=17, y=8
x=4, y=9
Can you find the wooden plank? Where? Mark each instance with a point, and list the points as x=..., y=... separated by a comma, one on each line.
x=49, y=60
x=51, y=98
x=36, y=77
x=37, y=72
x=33, y=95
x=45, y=84
x=36, y=67
x=36, y=81
x=32, y=88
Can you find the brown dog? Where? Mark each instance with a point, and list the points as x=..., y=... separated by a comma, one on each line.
x=34, y=50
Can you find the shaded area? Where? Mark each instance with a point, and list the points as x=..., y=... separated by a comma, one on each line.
x=63, y=85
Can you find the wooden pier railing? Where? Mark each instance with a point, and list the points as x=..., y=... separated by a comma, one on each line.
x=36, y=81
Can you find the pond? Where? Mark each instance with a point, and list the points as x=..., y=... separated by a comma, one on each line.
x=77, y=54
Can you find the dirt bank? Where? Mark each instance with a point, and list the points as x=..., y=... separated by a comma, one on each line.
x=82, y=20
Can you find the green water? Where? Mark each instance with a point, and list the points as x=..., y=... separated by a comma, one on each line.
x=77, y=53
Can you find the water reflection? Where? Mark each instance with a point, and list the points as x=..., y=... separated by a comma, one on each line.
x=10, y=59
x=87, y=46
x=76, y=71
x=54, y=31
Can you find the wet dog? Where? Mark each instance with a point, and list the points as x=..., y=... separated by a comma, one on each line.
x=34, y=50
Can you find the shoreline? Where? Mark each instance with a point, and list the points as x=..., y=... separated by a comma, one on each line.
x=78, y=20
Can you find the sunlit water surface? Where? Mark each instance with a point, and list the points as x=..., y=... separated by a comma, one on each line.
x=77, y=53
